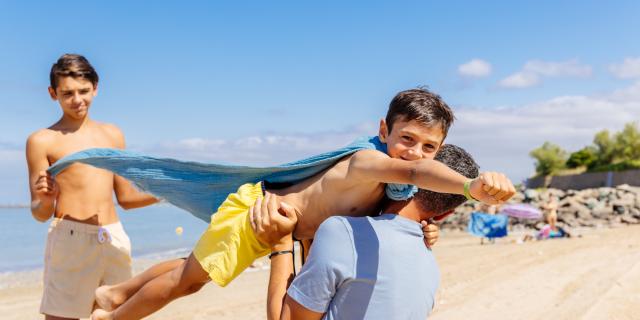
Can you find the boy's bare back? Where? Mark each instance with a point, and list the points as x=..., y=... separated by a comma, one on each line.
x=334, y=191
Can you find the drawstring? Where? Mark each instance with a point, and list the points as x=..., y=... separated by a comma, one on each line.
x=104, y=235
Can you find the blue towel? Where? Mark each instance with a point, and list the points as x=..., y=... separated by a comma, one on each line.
x=488, y=225
x=200, y=188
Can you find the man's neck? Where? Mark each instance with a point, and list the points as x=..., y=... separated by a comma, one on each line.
x=407, y=209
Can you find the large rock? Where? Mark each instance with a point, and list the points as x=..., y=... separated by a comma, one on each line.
x=627, y=218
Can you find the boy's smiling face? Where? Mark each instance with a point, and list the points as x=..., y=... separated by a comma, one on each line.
x=411, y=140
x=74, y=95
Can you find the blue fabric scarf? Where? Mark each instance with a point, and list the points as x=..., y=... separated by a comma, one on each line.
x=200, y=188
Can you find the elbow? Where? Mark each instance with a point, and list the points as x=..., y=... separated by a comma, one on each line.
x=126, y=205
x=40, y=218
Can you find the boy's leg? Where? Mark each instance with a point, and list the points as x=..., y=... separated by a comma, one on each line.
x=48, y=317
x=110, y=297
x=186, y=279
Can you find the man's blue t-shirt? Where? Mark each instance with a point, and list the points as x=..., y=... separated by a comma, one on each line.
x=368, y=268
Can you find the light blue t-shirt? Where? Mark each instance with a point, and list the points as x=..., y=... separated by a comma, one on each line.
x=368, y=268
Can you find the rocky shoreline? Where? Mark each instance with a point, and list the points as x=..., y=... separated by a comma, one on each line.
x=590, y=208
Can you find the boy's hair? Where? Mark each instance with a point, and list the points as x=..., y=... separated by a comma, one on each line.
x=72, y=65
x=460, y=161
x=421, y=105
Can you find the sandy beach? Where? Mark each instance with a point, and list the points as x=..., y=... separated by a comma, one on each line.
x=595, y=276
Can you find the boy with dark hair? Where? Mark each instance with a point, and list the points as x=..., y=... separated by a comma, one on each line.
x=360, y=267
x=86, y=245
x=357, y=181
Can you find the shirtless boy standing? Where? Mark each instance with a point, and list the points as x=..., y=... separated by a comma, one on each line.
x=86, y=244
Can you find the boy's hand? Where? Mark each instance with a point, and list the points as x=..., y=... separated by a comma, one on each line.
x=492, y=188
x=46, y=188
x=273, y=222
x=431, y=233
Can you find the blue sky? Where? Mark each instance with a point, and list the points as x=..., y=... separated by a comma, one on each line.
x=262, y=83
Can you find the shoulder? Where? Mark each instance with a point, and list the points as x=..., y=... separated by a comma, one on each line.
x=332, y=228
x=112, y=131
x=368, y=155
x=40, y=138
x=364, y=160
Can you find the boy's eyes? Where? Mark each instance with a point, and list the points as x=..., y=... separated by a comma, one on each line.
x=428, y=147
x=407, y=138
x=69, y=94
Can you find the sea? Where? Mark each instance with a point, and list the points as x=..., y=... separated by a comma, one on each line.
x=152, y=230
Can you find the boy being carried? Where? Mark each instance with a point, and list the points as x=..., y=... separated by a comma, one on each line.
x=414, y=129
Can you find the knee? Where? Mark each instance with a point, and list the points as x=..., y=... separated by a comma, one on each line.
x=193, y=288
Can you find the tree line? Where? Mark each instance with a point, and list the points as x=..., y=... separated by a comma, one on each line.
x=608, y=152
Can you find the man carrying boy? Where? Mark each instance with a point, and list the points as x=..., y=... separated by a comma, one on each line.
x=86, y=245
x=359, y=267
x=415, y=127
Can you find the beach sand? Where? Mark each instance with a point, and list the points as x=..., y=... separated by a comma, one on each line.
x=596, y=276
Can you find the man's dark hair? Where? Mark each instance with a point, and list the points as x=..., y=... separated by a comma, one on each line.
x=421, y=105
x=72, y=65
x=460, y=161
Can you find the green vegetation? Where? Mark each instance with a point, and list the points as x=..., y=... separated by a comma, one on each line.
x=609, y=152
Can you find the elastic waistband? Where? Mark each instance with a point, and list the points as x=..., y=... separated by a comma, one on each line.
x=64, y=224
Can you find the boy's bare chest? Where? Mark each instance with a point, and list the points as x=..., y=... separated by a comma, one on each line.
x=66, y=144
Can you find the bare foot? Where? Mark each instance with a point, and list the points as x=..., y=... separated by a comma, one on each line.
x=107, y=299
x=100, y=314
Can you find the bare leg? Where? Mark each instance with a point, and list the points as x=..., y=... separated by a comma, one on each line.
x=110, y=297
x=48, y=317
x=186, y=279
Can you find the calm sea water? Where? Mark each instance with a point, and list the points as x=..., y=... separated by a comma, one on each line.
x=152, y=231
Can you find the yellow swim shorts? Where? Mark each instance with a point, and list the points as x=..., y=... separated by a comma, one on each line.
x=229, y=245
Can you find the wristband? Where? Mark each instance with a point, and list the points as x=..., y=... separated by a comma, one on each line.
x=467, y=193
x=277, y=253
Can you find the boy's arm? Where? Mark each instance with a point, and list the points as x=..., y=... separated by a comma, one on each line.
x=128, y=197
x=42, y=186
x=274, y=229
x=429, y=174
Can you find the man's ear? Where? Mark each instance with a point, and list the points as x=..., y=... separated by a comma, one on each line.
x=442, y=216
x=383, y=132
x=52, y=94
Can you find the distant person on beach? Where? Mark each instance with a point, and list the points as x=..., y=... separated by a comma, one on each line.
x=86, y=244
x=414, y=129
x=359, y=267
x=551, y=212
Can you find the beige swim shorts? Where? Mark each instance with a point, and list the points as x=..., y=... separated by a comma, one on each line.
x=78, y=258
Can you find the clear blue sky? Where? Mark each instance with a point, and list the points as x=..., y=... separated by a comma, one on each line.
x=233, y=70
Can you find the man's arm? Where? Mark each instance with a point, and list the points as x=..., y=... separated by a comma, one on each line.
x=42, y=186
x=429, y=174
x=275, y=229
x=128, y=197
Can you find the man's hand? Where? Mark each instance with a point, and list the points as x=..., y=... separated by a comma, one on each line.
x=273, y=222
x=431, y=233
x=492, y=188
x=46, y=188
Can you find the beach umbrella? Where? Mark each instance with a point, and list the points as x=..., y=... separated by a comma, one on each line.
x=521, y=210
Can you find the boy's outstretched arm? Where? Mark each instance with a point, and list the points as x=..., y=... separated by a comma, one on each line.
x=429, y=174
